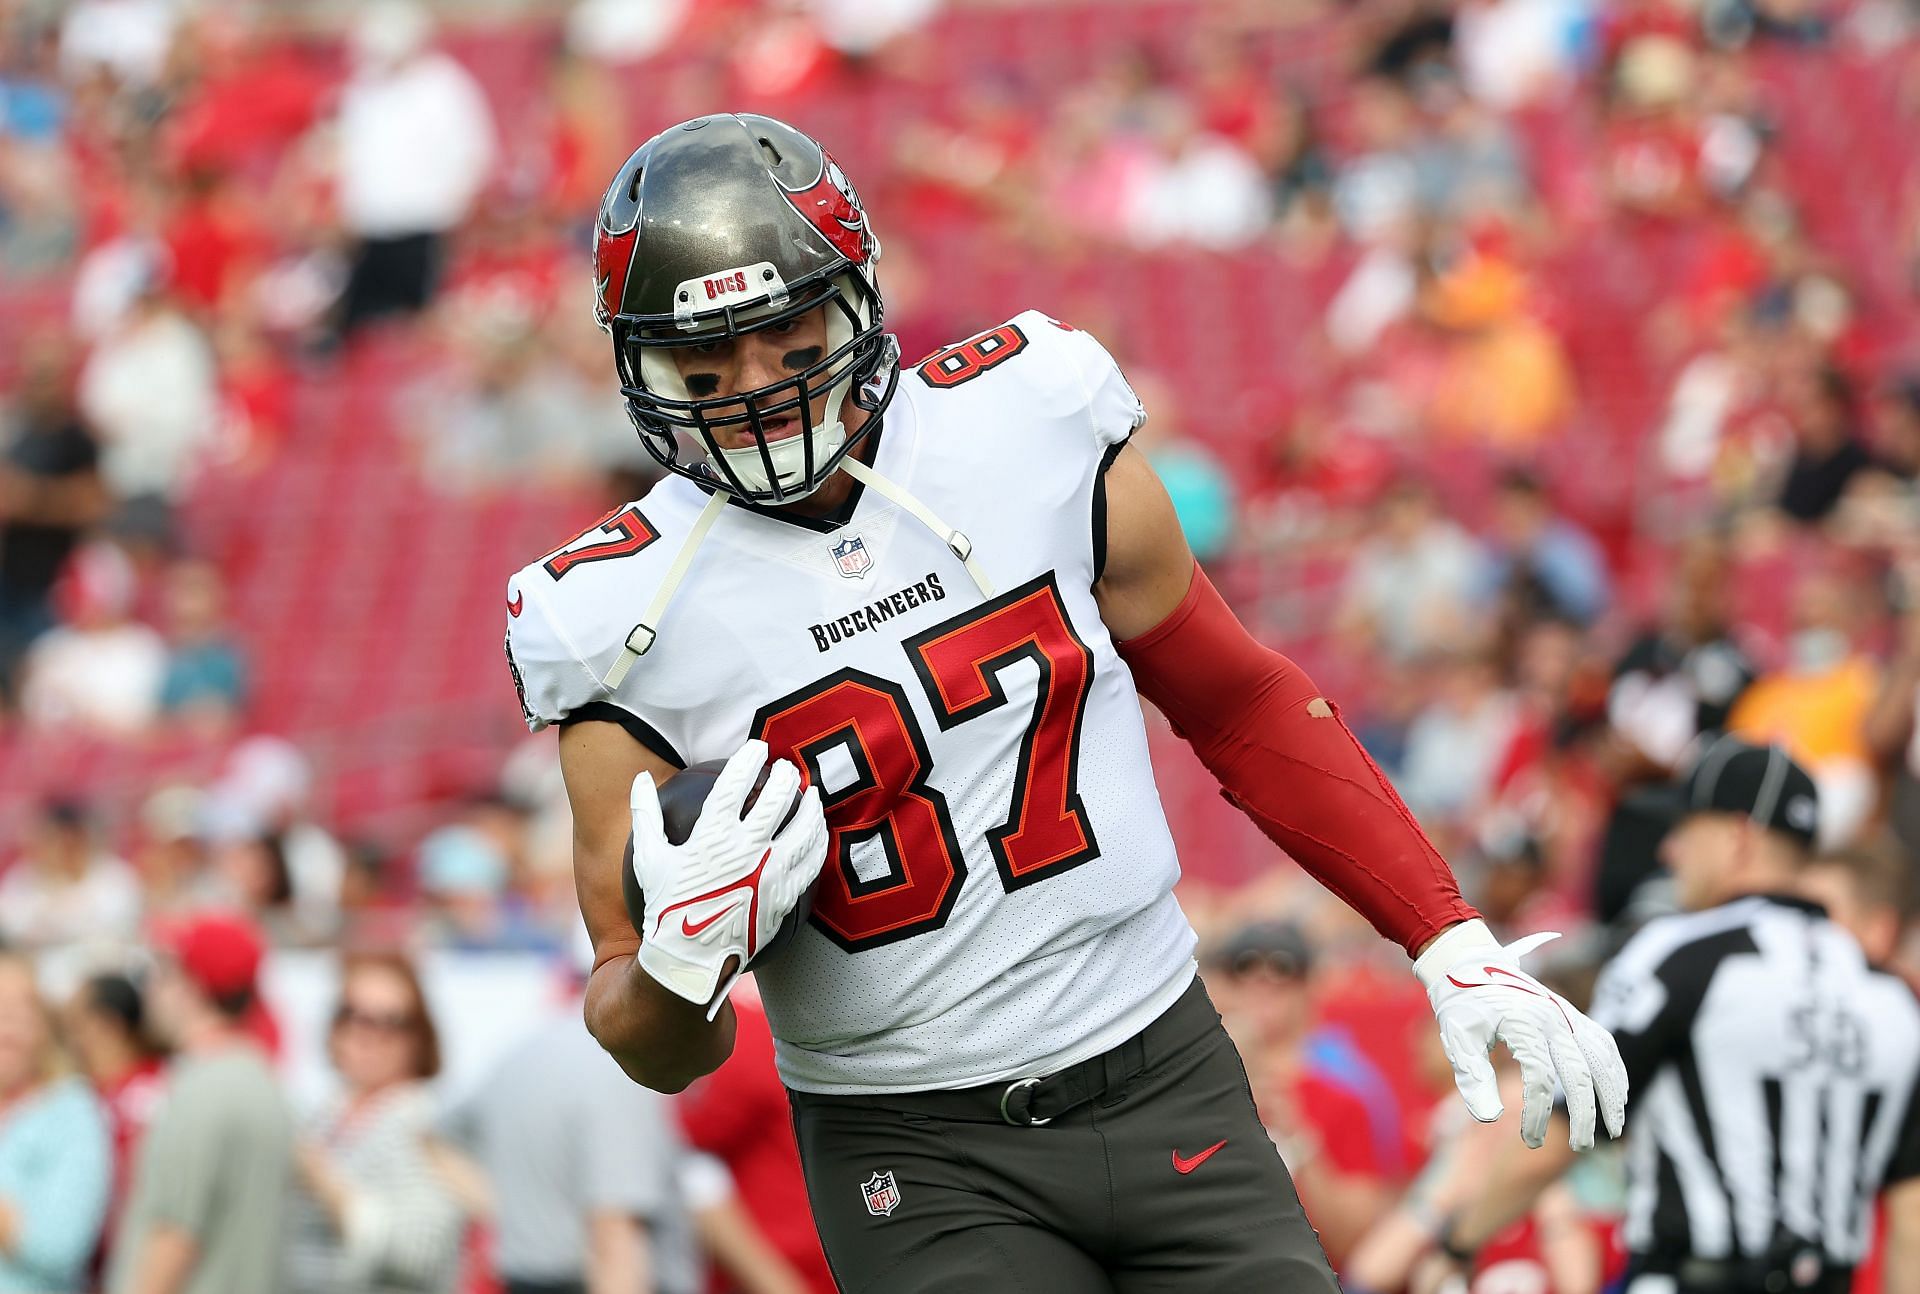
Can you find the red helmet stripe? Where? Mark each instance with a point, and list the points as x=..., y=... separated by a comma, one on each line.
x=612, y=261
x=831, y=206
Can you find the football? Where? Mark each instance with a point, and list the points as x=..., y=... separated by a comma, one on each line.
x=681, y=799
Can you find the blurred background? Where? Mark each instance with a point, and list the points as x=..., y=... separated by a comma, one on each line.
x=1543, y=375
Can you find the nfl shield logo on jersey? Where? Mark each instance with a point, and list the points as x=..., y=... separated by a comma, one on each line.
x=883, y=1196
x=852, y=556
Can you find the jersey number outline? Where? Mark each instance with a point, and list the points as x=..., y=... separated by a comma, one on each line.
x=959, y=663
x=632, y=532
x=963, y=361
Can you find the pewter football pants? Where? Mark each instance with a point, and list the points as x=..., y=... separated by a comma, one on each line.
x=1151, y=1174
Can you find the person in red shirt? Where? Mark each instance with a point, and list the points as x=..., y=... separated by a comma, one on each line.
x=739, y=1115
x=106, y=1027
x=1328, y=1107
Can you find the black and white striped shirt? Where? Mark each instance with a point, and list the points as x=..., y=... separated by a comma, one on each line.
x=1773, y=1075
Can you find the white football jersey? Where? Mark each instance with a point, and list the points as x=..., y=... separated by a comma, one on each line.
x=998, y=899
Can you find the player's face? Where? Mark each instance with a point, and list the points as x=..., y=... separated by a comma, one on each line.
x=729, y=365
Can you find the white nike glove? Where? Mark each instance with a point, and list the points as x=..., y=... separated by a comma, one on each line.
x=724, y=893
x=1481, y=996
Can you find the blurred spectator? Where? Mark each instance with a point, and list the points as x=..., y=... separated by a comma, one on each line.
x=1512, y=885
x=1680, y=679
x=582, y=1166
x=1816, y=704
x=150, y=392
x=100, y=671
x=128, y=38
x=1514, y=52
x=214, y=240
x=526, y=404
x=374, y=1216
x=1202, y=491
x=1893, y=726
x=467, y=873
x=416, y=145
x=1087, y=170
x=1328, y=1108
x=205, y=683
x=258, y=810
x=107, y=1032
x=251, y=873
x=971, y=165
x=619, y=32
x=1827, y=452
x=208, y=1207
x=1456, y=742
x=172, y=856
x=35, y=104
x=1869, y=890
x=126, y=265
x=256, y=394
x=1504, y=378
x=55, y=1157
x=65, y=888
x=1197, y=189
x=50, y=494
x=861, y=27
x=1650, y=154
x=739, y=1114
x=1559, y=1247
x=243, y=94
x=1881, y=507
x=1288, y=145
x=1896, y=430
x=1412, y=586
x=1538, y=552
x=739, y=1258
x=1378, y=293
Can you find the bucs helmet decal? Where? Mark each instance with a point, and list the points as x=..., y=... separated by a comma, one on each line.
x=612, y=259
x=831, y=205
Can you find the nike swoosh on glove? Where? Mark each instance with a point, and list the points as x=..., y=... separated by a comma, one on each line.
x=724, y=893
x=1481, y=996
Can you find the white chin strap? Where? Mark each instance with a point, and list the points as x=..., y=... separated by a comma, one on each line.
x=641, y=639
x=789, y=456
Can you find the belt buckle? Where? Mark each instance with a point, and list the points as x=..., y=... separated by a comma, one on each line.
x=1024, y=1119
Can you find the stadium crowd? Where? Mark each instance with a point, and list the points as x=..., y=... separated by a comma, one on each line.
x=1593, y=425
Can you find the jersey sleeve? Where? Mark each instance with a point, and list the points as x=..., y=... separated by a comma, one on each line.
x=1114, y=412
x=548, y=673
x=554, y=680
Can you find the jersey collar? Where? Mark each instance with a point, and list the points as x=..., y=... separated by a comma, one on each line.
x=1798, y=903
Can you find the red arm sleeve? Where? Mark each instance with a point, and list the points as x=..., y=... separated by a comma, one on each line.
x=1286, y=759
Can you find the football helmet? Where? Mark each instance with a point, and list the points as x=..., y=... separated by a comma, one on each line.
x=718, y=227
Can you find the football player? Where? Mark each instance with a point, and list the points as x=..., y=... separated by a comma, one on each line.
x=931, y=595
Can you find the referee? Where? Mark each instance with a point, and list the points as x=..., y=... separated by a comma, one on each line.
x=1773, y=1069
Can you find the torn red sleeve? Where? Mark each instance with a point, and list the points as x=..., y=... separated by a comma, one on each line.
x=1286, y=759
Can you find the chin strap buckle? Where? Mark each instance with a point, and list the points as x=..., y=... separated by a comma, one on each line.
x=638, y=644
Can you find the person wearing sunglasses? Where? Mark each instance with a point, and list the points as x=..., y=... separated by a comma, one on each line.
x=374, y=1216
